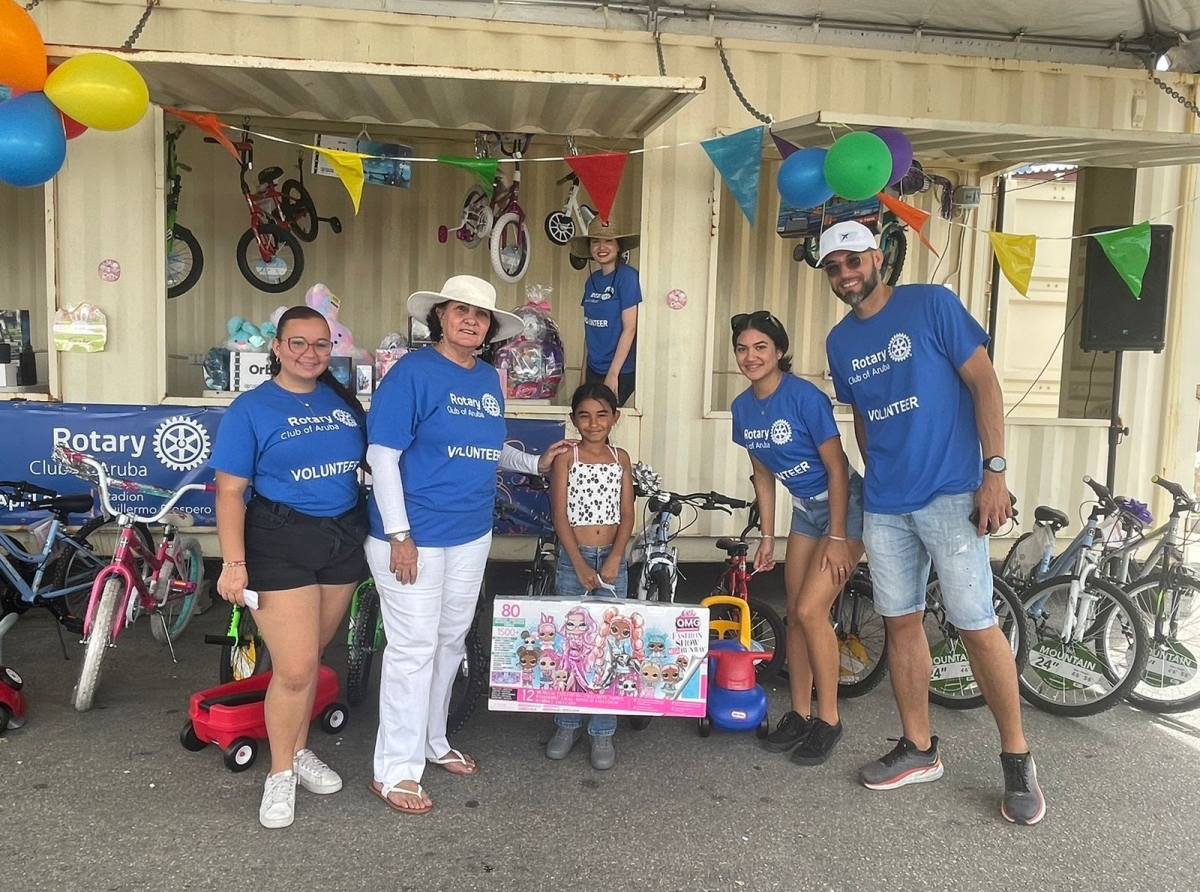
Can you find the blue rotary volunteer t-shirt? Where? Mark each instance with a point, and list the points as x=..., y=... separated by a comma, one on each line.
x=899, y=369
x=305, y=457
x=604, y=298
x=448, y=423
x=784, y=430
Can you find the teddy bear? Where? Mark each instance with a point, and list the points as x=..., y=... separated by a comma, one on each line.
x=325, y=302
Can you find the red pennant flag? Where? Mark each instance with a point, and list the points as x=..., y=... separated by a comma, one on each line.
x=209, y=124
x=914, y=217
x=600, y=175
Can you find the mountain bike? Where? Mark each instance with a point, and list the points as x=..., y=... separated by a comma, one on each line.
x=185, y=259
x=1088, y=641
x=163, y=583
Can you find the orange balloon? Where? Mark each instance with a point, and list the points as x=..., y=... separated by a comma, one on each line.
x=22, y=52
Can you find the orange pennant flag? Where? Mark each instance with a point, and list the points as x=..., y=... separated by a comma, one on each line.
x=914, y=217
x=207, y=123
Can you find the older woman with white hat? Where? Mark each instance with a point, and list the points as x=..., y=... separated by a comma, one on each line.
x=435, y=438
x=610, y=306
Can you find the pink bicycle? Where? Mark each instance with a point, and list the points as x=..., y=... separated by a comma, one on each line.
x=164, y=583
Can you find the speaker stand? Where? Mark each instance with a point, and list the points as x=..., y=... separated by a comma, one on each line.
x=1115, y=429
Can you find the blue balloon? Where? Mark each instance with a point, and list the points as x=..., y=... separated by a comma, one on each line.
x=801, y=179
x=33, y=145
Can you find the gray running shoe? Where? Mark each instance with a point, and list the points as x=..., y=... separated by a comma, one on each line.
x=603, y=754
x=1023, y=801
x=903, y=765
x=559, y=746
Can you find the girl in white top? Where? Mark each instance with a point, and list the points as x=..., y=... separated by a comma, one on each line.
x=591, y=495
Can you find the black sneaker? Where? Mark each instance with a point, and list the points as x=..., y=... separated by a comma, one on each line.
x=905, y=764
x=792, y=730
x=1023, y=801
x=819, y=745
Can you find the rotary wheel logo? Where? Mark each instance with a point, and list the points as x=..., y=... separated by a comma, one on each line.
x=899, y=347
x=781, y=432
x=181, y=444
x=491, y=405
x=341, y=416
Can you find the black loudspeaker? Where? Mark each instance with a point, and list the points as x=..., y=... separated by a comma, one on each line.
x=1113, y=319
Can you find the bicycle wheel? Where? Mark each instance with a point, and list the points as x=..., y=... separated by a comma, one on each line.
x=952, y=684
x=170, y=620
x=468, y=684
x=97, y=644
x=894, y=245
x=862, y=640
x=278, y=273
x=560, y=228
x=541, y=581
x=1009, y=570
x=658, y=585
x=99, y=538
x=767, y=632
x=185, y=261
x=248, y=654
x=1097, y=669
x=1171, y=682
x=807, y=252
x=299, y=210
x=365, y=637
x=510, y=247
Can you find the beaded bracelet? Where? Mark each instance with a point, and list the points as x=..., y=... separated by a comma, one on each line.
x=234, y=564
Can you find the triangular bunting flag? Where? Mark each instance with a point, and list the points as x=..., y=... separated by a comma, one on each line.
x=600, y=175
x=208, y=124
x=785, y=147
x=1015, y=254
x=1128, y=250
x=738, y=158
x=914, y=217
x=349, y=168
x=484, y=170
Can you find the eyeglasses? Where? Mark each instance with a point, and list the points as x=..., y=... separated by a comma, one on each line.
x=853, y=261
x=299, y=345
x=742, y=321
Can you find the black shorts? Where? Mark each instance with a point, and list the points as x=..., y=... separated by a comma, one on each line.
x=625, y=383
x=286, y=549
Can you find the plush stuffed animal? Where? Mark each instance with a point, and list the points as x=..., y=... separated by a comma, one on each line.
x=321, y=299
x=245, y=335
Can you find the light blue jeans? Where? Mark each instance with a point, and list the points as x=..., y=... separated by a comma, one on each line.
x=900, y=548
x=567, y=585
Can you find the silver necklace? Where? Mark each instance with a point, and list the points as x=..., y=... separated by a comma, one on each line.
x=295, y=396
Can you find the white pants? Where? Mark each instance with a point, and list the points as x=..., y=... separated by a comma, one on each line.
x=426, y=625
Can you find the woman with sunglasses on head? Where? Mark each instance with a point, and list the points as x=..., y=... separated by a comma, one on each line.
x=295, y=444
x=786, y=425
x=436, y=433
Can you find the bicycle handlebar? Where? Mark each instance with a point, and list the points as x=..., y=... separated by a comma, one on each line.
x=1177, y=492
x=77, y=462
x=1102, y=493
x=25, y=488
x=673, y=502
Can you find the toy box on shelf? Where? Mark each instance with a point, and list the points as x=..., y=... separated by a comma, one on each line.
x=599, y=656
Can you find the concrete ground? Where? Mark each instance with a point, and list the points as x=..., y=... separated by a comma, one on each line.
x=109, y=800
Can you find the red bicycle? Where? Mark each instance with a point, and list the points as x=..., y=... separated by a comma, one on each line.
x=164, y=582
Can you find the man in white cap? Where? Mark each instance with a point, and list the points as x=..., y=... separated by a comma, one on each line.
x=929, y=418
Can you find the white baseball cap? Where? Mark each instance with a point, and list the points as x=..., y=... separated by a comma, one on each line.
x=847, y=236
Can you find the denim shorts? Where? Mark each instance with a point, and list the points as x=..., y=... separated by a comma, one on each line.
x=810, y=517
x=567, y=584
x=900, y=548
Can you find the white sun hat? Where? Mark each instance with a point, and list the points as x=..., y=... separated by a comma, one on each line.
x=468, y=290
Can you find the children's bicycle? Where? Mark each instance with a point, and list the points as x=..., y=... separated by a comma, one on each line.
x=163, y=583
x=572, y=218
x=185, y=259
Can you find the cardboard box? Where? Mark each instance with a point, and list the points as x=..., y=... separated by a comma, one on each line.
x=248, y=370
x=599, y=656
x=14, y=328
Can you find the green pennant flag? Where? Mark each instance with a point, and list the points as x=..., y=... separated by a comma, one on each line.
x=484, y=169
x=1128, y=250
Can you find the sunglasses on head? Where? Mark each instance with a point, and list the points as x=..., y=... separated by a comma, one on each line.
x=742, y=321
x=853, y=261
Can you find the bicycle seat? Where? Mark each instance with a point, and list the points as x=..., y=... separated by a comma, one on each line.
x=269, y=175
x=178, y=519
x=733, y=546
x=76, y=504
x=1051, y=516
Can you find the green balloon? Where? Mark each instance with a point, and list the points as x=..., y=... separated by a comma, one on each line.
x=858, y=165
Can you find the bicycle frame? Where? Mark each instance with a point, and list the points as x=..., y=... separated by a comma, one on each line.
x=30, y=592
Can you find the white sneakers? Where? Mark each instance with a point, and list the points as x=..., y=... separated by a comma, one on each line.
x=278, y=807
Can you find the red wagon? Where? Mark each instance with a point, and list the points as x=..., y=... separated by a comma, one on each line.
x=232, y=716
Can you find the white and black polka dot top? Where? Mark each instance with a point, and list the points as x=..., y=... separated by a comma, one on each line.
x=594, y=492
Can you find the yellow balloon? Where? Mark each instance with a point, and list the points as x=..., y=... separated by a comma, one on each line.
x=99, y=90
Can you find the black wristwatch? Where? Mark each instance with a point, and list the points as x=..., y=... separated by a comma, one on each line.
x=996, y=464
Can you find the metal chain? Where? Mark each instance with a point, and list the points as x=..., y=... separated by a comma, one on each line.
x=662, y=65
x=737, y=91
x=137, y=31
x=31, y=4
x=1175, y=94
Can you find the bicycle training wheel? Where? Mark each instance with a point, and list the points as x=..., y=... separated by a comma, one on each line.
x=1171, y=682
x=185, y=261
x=169, y=622
x=299, y=210
x=273, y=261
x=862, y=639
x=365, y=637
x=510, y=247
x=1102, y=661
